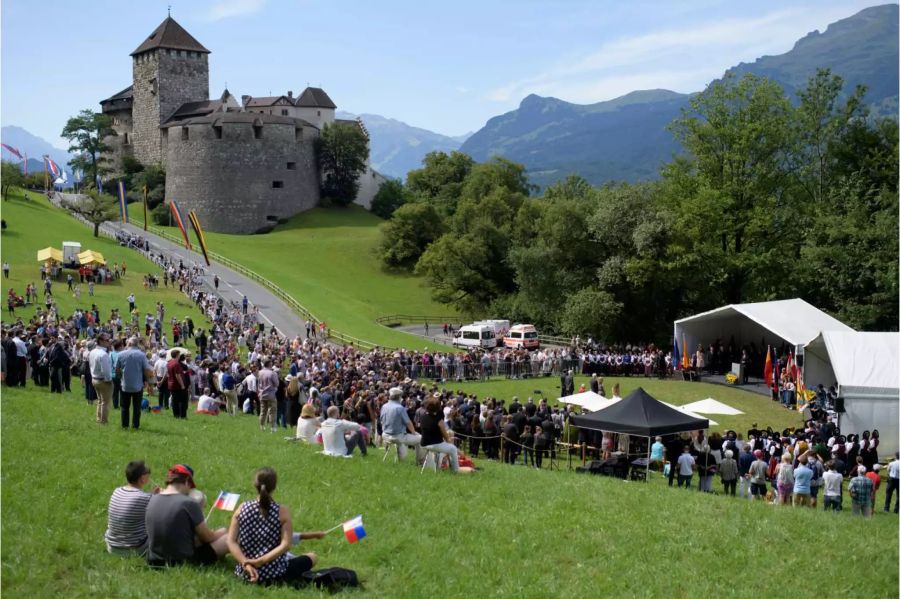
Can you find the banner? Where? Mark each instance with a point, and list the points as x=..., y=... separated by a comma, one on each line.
x=176, y=215
x=123, y=202
x=195, y=223
x=12, y=151
x=145, y=207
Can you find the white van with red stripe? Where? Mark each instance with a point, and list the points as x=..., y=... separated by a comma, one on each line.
x=522, y=336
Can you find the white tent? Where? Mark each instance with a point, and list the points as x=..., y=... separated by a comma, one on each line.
x=711, y=406
x=685, y=410
x=588, y=400
x=866, y=368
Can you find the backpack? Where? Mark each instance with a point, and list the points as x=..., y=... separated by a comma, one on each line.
x=332, y=578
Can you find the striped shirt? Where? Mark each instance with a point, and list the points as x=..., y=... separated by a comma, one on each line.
x=125, y=527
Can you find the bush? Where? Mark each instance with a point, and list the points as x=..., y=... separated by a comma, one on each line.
x=160, y=215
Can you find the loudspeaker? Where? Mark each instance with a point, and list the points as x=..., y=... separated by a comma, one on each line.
x=839, y=405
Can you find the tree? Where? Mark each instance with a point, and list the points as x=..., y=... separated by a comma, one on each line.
x=86, y=133
x=96, y=208
x=412, y=228
x=391, y=195
x=10, y=176
x=440, y=180
x=591, y=312
x=343, y=151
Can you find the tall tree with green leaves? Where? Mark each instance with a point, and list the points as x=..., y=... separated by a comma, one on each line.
x=86, y=133
x=10, y=176
x=95, y=207
x=440, y=180
x=343, y=151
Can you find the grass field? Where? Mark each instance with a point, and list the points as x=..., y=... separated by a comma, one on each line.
x=325, y=258
x=501, y=532
x=35, y=224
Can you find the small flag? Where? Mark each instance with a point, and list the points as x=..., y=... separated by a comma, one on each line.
x=54, y=168
x=353, y=529
x=226, y=501
x=12, y=151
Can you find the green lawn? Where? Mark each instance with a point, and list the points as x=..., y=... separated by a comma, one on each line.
x=501, y=532
x=756, y=408
x=35, y=224
x=325, y=258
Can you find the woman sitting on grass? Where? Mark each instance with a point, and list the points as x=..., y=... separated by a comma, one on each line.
x=260, y=535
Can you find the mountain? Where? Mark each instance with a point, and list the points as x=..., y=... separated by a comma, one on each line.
x=397, y=148
x=626, y=139
x=35, y=147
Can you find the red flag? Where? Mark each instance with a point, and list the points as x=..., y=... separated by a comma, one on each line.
x=767, y=372
x=790, y=364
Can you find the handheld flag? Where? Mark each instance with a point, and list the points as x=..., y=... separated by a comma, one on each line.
x=176, y=215
x=12, y=151
x=195, y=223
x=767, y=372
x=225, y=501
x=353, y=529
x=123, y=202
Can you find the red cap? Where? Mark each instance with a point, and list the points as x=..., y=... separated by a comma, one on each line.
x=184, y=470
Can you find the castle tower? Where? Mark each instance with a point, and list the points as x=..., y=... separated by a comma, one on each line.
x=169, y=69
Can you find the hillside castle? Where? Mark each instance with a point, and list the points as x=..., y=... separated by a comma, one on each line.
x=242, y=166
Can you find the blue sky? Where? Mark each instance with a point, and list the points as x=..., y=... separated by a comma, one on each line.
x=444, y=66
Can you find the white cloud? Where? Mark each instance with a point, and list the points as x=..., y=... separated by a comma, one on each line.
x=682, y=59
x=226, y=9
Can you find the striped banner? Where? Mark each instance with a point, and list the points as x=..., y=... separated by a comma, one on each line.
x=195, y=223
x=145, y=207
x=123, y=202
x=176, y=214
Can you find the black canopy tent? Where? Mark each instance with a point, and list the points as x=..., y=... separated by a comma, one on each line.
x=642, y=415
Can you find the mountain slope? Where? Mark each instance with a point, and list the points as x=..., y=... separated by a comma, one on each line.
x=397, y=148
x=627, y=139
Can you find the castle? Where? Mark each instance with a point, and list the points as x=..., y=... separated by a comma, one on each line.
x=242, y=166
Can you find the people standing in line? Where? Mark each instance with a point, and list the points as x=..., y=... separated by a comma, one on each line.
x=686, y=465
x=757, y=476
x=100, y=365
x=267, y=383
x=861, y=490
x=728, y=470
x=832, y=481
x=178, y=381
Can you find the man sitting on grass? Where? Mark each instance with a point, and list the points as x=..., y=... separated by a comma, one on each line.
x=340, y=437
x=207, y=404
x=126, y=532
x=176, y=530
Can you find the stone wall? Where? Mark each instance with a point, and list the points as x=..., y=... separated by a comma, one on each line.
x=229, y=180
x=164, y=79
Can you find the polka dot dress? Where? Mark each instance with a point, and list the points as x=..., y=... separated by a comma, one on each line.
x=257, y=536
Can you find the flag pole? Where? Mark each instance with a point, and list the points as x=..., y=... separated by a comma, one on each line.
x=46, y=176
x=333, y=528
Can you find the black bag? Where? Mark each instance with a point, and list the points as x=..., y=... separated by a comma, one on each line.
x=332, y=578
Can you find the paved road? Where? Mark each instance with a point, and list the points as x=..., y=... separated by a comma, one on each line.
x=232, y=285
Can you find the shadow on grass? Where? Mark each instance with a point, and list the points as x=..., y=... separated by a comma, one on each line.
x=329, y=218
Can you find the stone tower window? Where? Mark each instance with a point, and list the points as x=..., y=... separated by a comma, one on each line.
x=126, y=139
x=218, y=131
x=153, y=86
x=257, y=131
x=184, y=134
x=277, y=184
x=291, y=166
x=319, y=113
x=298, y=133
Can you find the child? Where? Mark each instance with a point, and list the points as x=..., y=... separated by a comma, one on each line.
x=527, y=439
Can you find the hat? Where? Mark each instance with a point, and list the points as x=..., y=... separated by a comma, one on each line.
x=308, y=411
x=179, y=470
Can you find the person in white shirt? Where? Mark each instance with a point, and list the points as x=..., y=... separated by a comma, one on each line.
x=307, y=424
x=893, y=484
x=249, y=384
x=340, y=437
x=832, y=481
x=100, y=364
x=159, y=369
x=208, y=403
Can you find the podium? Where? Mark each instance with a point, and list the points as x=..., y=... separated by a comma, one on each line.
x=738, y=369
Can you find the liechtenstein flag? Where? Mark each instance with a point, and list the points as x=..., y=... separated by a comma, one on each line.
x=353, y=529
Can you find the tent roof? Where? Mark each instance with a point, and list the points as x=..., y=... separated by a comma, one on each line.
x=862, y=360
x=640, y=414
x=794, y=320
x=588, y=400
x=49, y=253
x=90, y=257
x=711, y=406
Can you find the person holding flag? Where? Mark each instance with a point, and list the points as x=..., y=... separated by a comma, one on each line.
x=260, y=535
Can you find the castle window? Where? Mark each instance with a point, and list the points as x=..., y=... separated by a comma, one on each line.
x=319, y=113
x=218, y=131
x=284, y=112
x=291, y=166
x=298, y=132
x=126, y=139
x=277, y=184
x=184, y=134
x=257, y=131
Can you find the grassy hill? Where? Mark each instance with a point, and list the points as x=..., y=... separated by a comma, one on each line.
x=35, y=224
x=325, y=258
x=501, y=532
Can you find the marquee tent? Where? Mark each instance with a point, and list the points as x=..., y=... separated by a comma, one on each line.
x=90, y=257
x=794, y=321
x=866, y=368
x=639, y=414
x=48, y=254
x=711, y=406
x=588, y=400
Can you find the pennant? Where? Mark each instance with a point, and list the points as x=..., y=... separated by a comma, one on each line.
x=353, y=529
x=685, y=357
x=123, y=202
x=12, y=151
x=226, y=501
x=676, y=356
x=176, y=214
x=767, y=372
x=195, y=223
